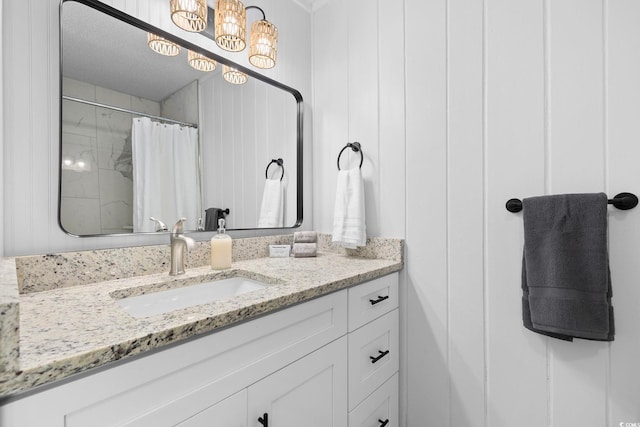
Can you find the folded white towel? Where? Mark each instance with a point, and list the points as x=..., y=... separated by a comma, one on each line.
x=271, y=210
x=349, y=228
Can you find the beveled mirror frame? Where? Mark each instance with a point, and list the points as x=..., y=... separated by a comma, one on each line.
x=128, y=19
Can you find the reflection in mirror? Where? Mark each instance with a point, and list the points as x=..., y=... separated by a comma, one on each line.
x=145, y=135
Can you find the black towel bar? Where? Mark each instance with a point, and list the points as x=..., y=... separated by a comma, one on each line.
x=623, y=201
x=278, y=162
x=355, y=146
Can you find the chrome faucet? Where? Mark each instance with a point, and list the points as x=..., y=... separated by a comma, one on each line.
x=160, y=226
x=179, y=245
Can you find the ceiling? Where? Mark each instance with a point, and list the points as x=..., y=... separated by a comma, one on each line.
x=103, y=51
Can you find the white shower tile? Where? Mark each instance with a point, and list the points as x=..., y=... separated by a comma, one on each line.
x=145, y=106
x=80, y=216
x=78, y=89
x=79, y=119
x=116, y=199
x=113, y=98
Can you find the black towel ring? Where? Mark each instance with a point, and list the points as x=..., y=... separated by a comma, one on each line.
x=622, y=201
x=280, y=163
x=356, y=148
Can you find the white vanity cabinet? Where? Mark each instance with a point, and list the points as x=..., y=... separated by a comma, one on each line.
x=307, y=365
x=310, y=392
x=374, y=357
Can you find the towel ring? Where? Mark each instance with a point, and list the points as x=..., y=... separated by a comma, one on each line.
x=356, y=148
x=622, y=201
x=280, y=163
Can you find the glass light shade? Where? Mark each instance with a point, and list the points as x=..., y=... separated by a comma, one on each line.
x=190, y=15
x=234, y=76
x=201, y=62
x=162, y=46
x=263, y=45
x=230, y=25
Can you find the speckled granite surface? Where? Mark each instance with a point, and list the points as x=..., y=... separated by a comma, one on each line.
x=44, y=272
x=8, y=316
x=71, y=328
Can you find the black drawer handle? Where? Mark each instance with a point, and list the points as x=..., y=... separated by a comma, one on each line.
x=381, y=354
x=383, y=423
x=380, y=299
x=264, y=420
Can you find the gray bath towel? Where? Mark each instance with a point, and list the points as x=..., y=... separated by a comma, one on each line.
x=565, y=271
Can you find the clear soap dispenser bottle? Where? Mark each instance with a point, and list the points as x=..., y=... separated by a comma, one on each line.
x=221, y=248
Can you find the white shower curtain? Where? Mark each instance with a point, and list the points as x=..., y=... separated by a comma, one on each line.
x=166, y=183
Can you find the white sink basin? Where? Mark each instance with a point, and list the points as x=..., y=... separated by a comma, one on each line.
x=174, y=299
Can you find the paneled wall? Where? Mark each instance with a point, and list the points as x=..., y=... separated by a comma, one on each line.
x=245, y=127
x=461, y=105
x=31, y=113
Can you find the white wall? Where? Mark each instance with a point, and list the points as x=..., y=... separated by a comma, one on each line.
x=244, y=127
x=31, y=113
x=461, y=105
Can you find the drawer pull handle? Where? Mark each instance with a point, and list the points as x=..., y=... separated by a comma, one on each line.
x=380, y=355
x=383, y=423
x=380, y=299
x=264, y=420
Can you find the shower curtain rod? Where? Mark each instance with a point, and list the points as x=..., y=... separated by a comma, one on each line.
x=124, y=110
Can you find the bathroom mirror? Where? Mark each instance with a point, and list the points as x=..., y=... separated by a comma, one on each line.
x=146, y=135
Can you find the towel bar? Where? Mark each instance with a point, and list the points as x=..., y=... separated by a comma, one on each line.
x=622, y=201
x=356, y=148
x=280, y=163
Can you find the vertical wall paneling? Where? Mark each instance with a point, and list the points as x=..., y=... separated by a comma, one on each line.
x=465, y=211
x=391, y=111
x=1, y=138
x=514, y=162
x=426, y=213
x=331, y=105
x=576, y=115
x=622, y=32
x=363, y=101
x=17, y=155
x=502, y=99
x=2, y=169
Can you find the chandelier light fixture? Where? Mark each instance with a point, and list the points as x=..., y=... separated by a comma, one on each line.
x=190, y=15
x=230, y=25
x=233, y=76
x=263, y=43
x=201, y=62
x=162, y=46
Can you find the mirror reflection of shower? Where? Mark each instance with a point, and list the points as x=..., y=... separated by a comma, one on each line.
x=98, y=190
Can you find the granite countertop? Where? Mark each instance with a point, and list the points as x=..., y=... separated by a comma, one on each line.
x=67, y=330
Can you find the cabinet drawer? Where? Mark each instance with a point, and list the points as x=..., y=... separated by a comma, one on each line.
x=373, y=356
x=372, y=299
x=380, y=409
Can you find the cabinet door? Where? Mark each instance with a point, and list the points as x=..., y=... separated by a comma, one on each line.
x=231, y=412
x=311, y=392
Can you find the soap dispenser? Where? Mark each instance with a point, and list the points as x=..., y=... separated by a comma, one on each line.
x=221, y=248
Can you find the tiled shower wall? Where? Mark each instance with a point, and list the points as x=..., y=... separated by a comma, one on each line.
x=97, y=185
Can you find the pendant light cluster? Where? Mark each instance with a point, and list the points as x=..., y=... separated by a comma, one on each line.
x=229, y=33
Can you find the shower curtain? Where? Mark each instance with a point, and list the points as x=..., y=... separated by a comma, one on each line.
x=166, y=181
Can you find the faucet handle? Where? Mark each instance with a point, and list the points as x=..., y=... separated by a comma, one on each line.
x=178, y=226
x=160, y=226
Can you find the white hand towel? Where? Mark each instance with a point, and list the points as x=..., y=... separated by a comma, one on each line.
x=349, y=228
x=271, y=211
